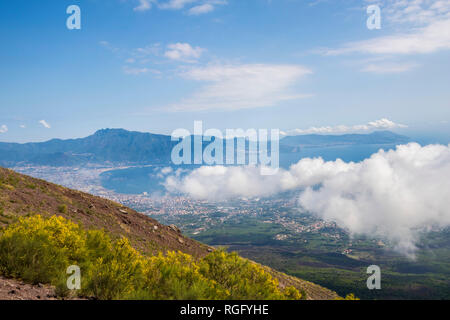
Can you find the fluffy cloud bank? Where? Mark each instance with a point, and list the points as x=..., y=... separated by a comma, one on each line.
x=393, y=194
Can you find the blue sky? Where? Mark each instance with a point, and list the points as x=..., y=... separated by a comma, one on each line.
x=297, y=65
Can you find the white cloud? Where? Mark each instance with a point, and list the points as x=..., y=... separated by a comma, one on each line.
x=201, y=9
x=392, y=195
x=45, y=124
x=223, y=183
x=414, y=12
x=198, y=6
x=206, y=7
x=143, y=55
x=429, y=39
x=149, y=50
x=384, y=68
x=108, y=46
x=183, y=52
x=424, y=28
x=22, y=126
x=382, y=124
x=138, y=71
x=166, y=170
x=144, y=5
x=233, y=87
x=3, y=128
x=176, y=4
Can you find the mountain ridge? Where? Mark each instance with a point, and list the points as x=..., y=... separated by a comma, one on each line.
x=123, y=147
x=105, y=145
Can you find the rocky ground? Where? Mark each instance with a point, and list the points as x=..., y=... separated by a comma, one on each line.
x=11, y=289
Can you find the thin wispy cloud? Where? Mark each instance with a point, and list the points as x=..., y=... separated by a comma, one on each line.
x=196, y=7
x=105, y=44
x=175, y=4
x=386, y=68
x=138, y=71
x=201, y=9
x=206, y=7
x=423, y=27
x=233, y=87
x=149, y=58
x=45, y=124
x=382, y=124
x=144, y=5
x=418, y=27
x=429, y=39
x=414, y=12
x=149, y=50
x=3, y=128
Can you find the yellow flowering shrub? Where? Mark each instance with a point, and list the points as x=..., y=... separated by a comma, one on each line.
x=40, y=250
x=115, y=274
x=349, y=296
x=176, y=276
x=61, y=232
x=242, y=279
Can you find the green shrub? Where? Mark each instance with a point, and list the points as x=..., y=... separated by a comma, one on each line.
x=31, y=186
x=62, y=208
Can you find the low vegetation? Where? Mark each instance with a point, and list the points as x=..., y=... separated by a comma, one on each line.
x=62, y=208
x=39, y=250
x=350, y=296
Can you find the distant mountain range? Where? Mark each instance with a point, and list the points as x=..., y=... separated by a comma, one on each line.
x=119, y=146
x=294, y=143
